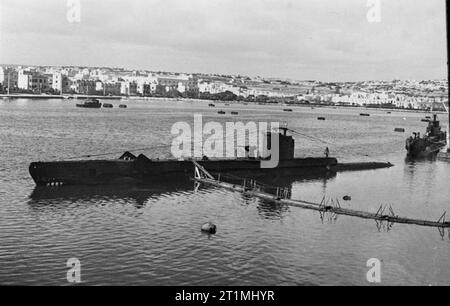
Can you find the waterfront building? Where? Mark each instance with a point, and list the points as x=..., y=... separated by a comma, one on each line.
x=60, y=83
x=145, y=85
x=8, y=78
x=32, y=80
x=177, y=82
x=86, y=87
x=112, y=88
x=128, y=88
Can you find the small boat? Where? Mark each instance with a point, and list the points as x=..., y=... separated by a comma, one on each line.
x=399, y=130
x=227, y=104
x=234, y=113
x=108, y=105
x=389, y=113
x=321, y=118
x=90, y=103
x=425, y=120
x=221, y=112
x=122, y=106
x=364, y=115
x=287, y=110
x=211, y=105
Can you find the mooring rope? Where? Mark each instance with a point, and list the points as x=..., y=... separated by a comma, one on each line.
x=117, y=152
x=193, y=143
x=342, y=150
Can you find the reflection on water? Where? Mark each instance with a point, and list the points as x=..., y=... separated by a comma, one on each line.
x=137, y=195
x=140, y=194
x=150, y=234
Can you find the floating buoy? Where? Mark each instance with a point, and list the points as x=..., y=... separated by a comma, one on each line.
x=209, y=228
x=399, y=130
x=347, y=198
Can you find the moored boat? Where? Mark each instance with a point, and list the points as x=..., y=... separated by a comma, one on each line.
x=429, y=145
x=90, y=103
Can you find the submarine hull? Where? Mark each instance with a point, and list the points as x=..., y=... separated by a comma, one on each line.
x=98, y=172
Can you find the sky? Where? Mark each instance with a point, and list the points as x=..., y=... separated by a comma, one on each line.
x=328, y=40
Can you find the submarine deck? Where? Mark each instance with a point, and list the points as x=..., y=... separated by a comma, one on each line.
x=117, y=171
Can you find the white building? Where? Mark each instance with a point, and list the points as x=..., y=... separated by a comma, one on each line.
x=31, y=80
x=60, y=82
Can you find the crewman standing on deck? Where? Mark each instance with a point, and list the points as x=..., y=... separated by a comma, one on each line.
x=327, y=152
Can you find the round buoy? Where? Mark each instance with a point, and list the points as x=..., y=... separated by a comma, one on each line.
x=209, y=228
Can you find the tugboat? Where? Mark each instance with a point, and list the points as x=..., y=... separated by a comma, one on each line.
x=90, y=103
x=428, y=146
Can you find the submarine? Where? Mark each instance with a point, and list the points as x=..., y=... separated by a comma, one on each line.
x=132, y=169
x=429, y=145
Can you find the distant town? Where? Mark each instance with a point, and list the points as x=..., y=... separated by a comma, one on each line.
x=118, y=82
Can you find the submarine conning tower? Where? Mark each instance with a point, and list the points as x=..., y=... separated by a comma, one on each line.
x=434, y=127
x=286, y=144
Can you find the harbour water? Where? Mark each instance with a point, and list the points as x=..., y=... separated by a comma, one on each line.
x=150, y=235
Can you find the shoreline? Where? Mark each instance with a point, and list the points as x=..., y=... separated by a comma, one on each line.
x=131, y=98
x=61, y=97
